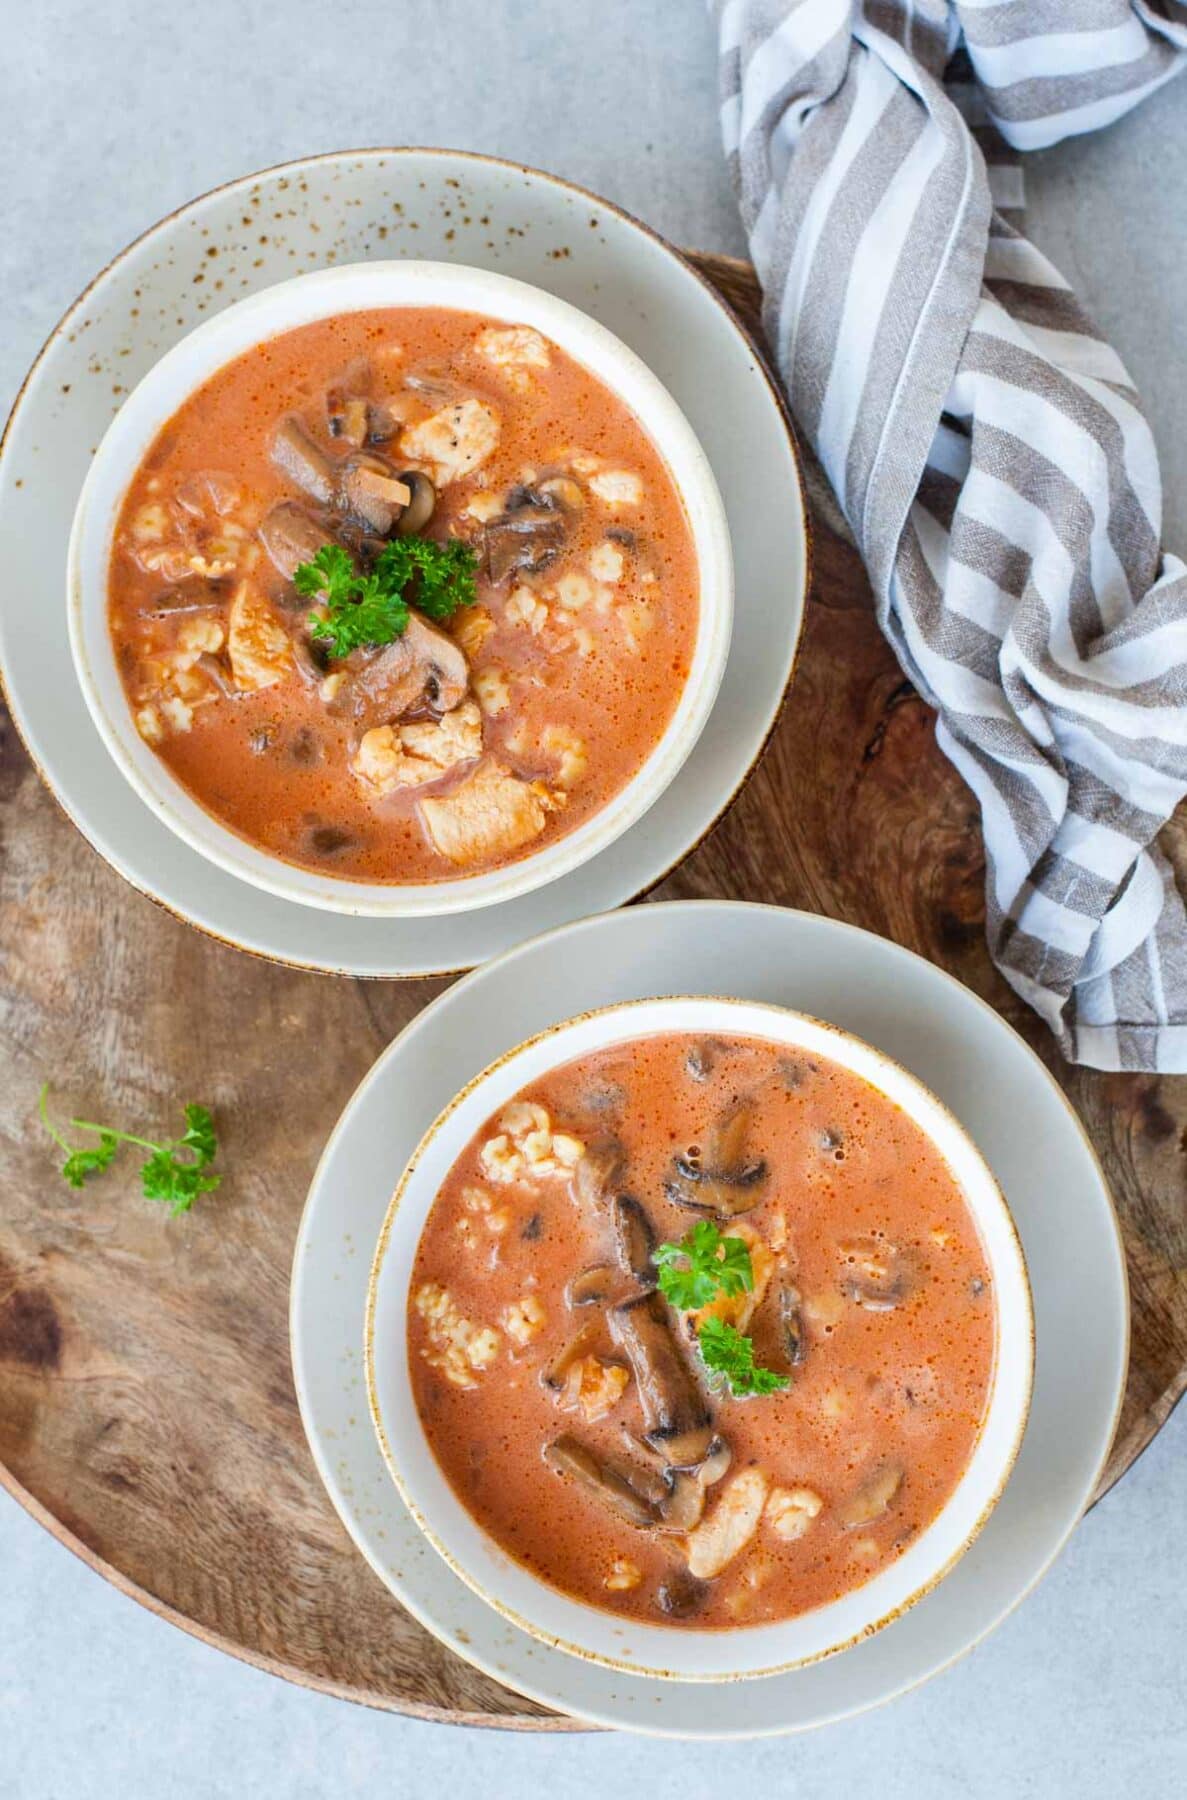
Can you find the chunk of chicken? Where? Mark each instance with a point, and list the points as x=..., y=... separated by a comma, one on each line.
x=474, y=625
x=718, y=1539
x=569, y=752
x=453, y=442
x=738, y=1309
x=400, y=756
x=257, y=645
x=491, y=813
x=790, y=1511
x=593, y=1387
x=515, y=347
x=617, y=487
x=622, y=1575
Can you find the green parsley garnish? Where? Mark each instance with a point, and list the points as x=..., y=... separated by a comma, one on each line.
x=374, y=608
x=703, y=1265
x=176, y=1171
x=726, y=1352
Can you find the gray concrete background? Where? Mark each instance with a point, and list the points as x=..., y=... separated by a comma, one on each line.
x=118, y=113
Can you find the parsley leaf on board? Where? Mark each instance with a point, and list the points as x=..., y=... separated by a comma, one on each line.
x=726, y=1352
x=703, y=1265
x=374, y=607
x=176, y=1171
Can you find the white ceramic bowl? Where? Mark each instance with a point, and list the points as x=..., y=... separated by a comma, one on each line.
x=665, y=1651
x=298, y=302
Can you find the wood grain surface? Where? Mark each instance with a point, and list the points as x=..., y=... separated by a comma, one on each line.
x=147, y=1413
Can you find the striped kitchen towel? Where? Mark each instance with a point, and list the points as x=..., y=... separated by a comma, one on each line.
x=988, y=450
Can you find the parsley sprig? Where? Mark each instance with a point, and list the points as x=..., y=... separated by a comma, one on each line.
x=702, y=1265
x=726, y=1352
x=175, y=1172
x=373, y=607
x=692, y=1274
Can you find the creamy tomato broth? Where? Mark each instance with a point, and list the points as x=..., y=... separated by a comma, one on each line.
x=461, y=746
x=567, y=1400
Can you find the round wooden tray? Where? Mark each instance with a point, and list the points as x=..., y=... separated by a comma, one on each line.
x=147, y=1414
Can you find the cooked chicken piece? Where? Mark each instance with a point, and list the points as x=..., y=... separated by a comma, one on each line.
x=738, y=1309
x=257, y=645
x=513, y=347
x=400, y=756
x=453, y=442
x=526, y=1148
x=734, y=1520
x=473, y=627
x=492, y=813
x=593, y=1387
x=790, y=1511
x=483, y=505
x=617, y=487
x=480, y=1209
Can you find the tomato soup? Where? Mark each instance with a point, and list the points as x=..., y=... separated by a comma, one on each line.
x=453, y=742
x=701, y=1330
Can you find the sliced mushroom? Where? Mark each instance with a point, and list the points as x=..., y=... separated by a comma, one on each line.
x=525, y=541
x=701, y=1058
x=349, y=417
x=634, y=1239
x=291, y=535
x=720, y=1178
x=562, y=490
x=211, y=666
x=873, y=1498
x=423, y=671
x=373, y=492
x=198, y=595
x=594, y=1286
x=600, y=1172
x=552, y=1375
x=876, y=1275
x=791, y=1320
x=677, y=1418
x=680, y=1594
x=422, y=501
x=298, y=457
x=601, y=1476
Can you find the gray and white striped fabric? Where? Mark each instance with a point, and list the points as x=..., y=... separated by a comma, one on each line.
x=988, y=450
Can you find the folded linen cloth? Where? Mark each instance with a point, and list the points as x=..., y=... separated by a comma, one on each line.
x=988, y=450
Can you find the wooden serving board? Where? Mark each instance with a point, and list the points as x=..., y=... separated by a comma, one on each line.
x=147, y=1413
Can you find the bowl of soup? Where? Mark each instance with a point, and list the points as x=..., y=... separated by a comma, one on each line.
x=400, y=588
x=699, y=1338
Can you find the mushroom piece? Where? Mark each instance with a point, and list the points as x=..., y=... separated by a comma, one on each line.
x=373, y=492
x=877, y=1274
x=422, y=500
x=720, y=1179
x=634, y=1239
x=676, y=1416
x=291, y=535
x=523, y=542
x=791, y=1320
x=599, y=1172
x=298, y=457
x=607, y=1479
x=423, y=671
x=873, y=1498
x=194, y=596
x=680, y=1594
x=593, y=1286
x=552, y=1375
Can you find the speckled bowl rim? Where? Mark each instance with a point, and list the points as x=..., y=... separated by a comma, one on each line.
x=994, y=1195
x=732, y=319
